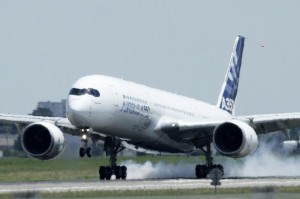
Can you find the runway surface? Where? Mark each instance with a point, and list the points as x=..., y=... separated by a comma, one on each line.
x=143, y=184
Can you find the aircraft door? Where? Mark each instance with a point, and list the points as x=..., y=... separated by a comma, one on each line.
x=115, y=96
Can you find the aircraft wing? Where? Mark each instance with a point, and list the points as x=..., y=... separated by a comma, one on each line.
x=166, y=124
x=272, y=122
x=22, y=121
x=189, y=129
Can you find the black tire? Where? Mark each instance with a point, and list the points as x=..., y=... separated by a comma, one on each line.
x=108, y=173
x=221, y=168
x=89, y=152
x=123, y=172
x=81, y=152
x=197, y=170
x=102, y=172
x=204, y=171
x=118, y=172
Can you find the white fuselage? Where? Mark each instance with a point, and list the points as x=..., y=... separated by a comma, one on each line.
x=132, y=111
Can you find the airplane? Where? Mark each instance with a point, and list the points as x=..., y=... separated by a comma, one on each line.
x=125, y=114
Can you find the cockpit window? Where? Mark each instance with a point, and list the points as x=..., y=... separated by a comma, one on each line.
x=75, y=91
x=94, y=92
x=89, y=91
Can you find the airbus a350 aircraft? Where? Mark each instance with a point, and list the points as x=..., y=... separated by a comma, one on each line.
x=124, y=114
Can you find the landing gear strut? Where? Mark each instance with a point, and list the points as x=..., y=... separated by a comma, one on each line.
x=203, y=170
x=112, y=146
x=85, y=150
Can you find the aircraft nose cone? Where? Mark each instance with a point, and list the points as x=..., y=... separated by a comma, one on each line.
x=78, y=112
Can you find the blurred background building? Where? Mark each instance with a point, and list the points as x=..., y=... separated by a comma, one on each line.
x=58, y=109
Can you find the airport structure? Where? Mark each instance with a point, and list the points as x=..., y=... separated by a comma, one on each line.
x=57, y=108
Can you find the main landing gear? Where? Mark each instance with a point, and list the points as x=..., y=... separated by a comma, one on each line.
x=203, y=170
x=112, y=146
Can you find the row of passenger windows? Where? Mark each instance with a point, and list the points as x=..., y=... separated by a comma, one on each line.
x=159, y=105
x=84, y=91
x=134, y=99
x=174, y=109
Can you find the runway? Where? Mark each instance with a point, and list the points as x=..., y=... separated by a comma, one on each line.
x=144, y=184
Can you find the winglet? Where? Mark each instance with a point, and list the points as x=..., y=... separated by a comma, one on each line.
x=229, y=89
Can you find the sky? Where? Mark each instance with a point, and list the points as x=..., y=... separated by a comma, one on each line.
x=182, y=46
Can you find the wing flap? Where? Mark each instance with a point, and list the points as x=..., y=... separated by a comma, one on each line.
x=187, y=129
x=273, y=122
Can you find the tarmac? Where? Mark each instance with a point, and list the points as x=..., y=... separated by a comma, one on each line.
x=152, y=184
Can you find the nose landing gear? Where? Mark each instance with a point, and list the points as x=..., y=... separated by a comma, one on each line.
x=85, y=150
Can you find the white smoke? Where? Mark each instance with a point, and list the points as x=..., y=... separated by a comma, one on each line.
x=263, y=162
x=148, y=170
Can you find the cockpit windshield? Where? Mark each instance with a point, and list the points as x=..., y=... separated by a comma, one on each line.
x=84, y=91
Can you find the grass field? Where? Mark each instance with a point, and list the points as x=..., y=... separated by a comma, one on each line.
x=30, y=169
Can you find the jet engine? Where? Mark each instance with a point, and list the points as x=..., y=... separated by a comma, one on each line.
x=235, y=139
x=43, y=140
x=290, y=146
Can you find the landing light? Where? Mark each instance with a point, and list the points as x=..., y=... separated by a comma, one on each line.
x=84, y=137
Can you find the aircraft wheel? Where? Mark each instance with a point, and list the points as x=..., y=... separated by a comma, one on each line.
x=118, y=172
x=81, y=152
x=204, y=171
x=197, y=169
x=102, y=172
x=89, y=152
x=123, y=172
x=221, y=168
x=201, y=171
x=108, y=173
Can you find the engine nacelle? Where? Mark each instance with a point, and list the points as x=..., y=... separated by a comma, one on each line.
x=290, y=146
x=235, y=139
x=43, y=140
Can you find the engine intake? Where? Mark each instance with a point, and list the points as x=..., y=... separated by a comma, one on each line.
x=235, y=139
x=43, y=140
